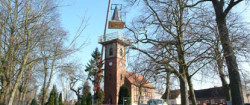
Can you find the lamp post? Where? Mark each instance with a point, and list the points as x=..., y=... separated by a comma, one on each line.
x=124, y=100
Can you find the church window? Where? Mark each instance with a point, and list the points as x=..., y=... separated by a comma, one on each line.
x=110, y=51
x=121, y=76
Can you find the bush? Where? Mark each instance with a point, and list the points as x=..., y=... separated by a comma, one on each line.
x=124, y=92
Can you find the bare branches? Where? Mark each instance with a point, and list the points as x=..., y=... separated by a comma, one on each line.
x=30, y=34
x=231, y=5
x=198, y=2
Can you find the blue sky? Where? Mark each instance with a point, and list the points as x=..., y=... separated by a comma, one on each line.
x=95, y=12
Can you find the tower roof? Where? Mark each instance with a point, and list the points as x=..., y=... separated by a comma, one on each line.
x=116, y=15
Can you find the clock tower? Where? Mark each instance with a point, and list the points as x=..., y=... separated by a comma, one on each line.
x=115, y=65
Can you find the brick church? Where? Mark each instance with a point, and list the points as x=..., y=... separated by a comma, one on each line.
x=116, y=75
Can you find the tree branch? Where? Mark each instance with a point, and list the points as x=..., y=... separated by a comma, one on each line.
x=192, y=5
x=231, y=5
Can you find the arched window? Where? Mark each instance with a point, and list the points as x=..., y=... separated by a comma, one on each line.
x=121, y=52
x=111, y=51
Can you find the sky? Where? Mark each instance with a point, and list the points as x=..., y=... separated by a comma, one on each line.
x=94, y=14
x=73, y=11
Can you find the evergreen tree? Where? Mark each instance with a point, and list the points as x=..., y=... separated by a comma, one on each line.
x=53, y=97
x=56, y=98
x=87, y=97
x=92, y=66
x=100, y=96
x=33, y=102
x=94, y=69
x=84, y=102
x=94, y=74
x=60, y=99
x=124, y=92
x=86, y=89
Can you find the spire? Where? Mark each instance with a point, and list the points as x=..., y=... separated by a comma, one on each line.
x=116, y=20
x=116, y=15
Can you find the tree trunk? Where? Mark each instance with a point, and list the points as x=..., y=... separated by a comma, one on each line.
x=44, y=90
x=183, y=79
x=8, y=70
x=182, y=67
x=234, y=76
x=17, y=82
x=139, y=98
x=191, y=90
x=7, y=92
x=167, y=91
x=3, y=90
x=182, y=71
x=226, y=87
x=46, y=86
x=183, y=89
x=219, y=61
x=3, y=82
x=26, y=84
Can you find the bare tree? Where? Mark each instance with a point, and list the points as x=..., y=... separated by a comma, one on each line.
x=238, y=35
x=30, y=35
x=52, y=50
x=222, y=8
x=142, y=73
x=20, y=37
x=174, y=40
x=72, y=72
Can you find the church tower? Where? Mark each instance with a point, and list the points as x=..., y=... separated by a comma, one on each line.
x=115, y=65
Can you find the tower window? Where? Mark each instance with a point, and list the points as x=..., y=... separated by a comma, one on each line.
x=121, y=52
x=121, y=76
x=111, y=51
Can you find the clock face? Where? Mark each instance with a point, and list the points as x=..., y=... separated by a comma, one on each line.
x=110, y=63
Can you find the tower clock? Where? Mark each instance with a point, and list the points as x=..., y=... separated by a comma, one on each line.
x=114, y=69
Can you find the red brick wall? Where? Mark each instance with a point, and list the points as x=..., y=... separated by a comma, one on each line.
x=114, y=75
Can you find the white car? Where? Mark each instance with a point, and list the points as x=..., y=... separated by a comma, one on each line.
x=156, y=102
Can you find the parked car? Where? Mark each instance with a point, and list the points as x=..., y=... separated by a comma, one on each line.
x=156, y=102
x=247, y=103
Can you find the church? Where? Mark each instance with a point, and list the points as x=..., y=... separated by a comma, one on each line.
x=116, y=75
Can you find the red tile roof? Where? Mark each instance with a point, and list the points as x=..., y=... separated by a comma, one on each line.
x=138, y=80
